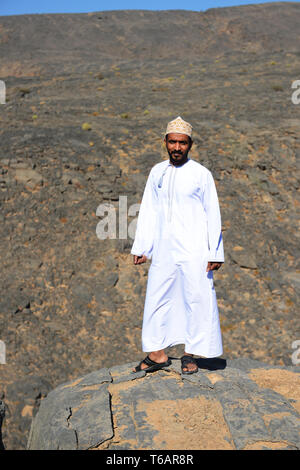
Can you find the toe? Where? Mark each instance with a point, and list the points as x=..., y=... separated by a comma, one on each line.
x=190, y=367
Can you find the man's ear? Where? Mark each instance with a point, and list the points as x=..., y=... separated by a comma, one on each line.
x=191, y=144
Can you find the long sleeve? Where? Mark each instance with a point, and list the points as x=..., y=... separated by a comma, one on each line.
x=145, y=229
x=214, y=226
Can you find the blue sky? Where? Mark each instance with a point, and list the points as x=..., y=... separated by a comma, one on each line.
x=20, y=7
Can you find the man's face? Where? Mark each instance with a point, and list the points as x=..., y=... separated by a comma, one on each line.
x=178, y=147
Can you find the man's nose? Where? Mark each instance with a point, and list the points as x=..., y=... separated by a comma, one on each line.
x=177, y=146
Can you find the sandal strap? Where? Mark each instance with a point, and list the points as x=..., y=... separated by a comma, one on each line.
x=149, y=361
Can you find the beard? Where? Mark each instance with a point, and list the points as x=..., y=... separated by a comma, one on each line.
x=178, y=158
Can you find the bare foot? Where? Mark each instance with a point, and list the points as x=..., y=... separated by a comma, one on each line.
x=190, y=366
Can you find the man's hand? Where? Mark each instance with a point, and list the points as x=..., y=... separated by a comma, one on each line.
x=139, y=259
x=211, y=265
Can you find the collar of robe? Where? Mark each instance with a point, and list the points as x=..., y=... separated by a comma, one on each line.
x=160, y=182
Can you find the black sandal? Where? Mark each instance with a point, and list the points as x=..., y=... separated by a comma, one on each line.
x=152, y=365
x=185, y=360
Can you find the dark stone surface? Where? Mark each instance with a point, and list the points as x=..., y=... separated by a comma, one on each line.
x=115, y=416
x=74, y=416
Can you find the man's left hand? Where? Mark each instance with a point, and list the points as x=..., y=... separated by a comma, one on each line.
x=212, y=265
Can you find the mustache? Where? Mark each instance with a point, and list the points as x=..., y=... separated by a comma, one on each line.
x=176, y=152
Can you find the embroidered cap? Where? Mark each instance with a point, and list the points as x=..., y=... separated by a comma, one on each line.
x=179, y=126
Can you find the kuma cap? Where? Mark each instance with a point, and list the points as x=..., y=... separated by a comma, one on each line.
x=179, y=126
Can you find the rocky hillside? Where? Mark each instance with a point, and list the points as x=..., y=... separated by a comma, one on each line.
x=88, y=98
x=240, y=405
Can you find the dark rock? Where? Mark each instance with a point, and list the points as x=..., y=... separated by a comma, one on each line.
x=244, y=260
x=150, y=409
x=75, y=416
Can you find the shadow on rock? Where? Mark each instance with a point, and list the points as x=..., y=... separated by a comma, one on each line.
x=213, y=363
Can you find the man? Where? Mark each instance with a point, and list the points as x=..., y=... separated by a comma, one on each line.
x=179, y=227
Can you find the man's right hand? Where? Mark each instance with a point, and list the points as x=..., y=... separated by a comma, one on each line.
x=139, y=259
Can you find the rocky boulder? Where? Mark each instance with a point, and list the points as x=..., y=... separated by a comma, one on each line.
x=233, y=404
